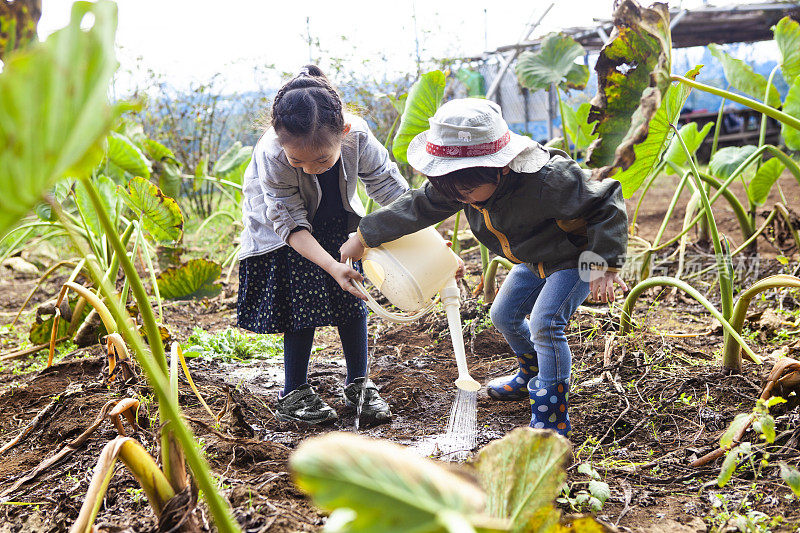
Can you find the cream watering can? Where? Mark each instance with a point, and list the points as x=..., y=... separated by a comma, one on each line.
x=409, y=272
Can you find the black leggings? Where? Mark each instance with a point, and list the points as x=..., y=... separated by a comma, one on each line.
x=297, y=351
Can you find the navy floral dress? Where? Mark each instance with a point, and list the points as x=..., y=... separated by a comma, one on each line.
x=282, y=291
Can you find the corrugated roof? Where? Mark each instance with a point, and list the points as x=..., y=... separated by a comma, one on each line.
x=736, y=23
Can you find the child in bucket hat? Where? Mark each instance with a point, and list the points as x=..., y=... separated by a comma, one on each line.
x=566, y=233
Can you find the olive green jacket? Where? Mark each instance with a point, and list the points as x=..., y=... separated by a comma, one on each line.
x=545, y=219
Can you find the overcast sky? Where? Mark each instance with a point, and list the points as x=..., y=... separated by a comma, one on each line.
x=193, y=39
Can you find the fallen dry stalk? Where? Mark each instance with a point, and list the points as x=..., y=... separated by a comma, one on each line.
x=73, y=446
x=143, y=468
x=118, y=355
x=27, y=351
x=30, y=427
x=178, y=352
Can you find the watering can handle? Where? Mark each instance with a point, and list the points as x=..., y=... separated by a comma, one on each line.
x=379, y=310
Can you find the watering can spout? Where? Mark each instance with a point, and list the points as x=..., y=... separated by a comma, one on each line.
x=452, y=307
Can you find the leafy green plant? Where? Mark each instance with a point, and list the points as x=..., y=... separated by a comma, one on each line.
x=231, y=343
x=742, y=516
x=194, y=279
x=373, y=485
x=553, y=67
x=47, y=134
x=424, y=98
x=592, y=498
x=642, y=94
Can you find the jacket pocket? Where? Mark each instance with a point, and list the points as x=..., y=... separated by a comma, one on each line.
x=576, y=231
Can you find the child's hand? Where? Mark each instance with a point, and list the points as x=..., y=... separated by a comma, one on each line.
x=351, y=249
x=343, y=275
x=602, y=286
x=461, y=270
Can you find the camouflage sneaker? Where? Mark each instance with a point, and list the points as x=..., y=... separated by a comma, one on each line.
x=374, y=409
x=305, y=405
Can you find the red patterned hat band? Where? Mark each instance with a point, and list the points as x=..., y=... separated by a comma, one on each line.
x=473, y=150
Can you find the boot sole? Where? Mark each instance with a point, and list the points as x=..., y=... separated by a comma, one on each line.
x=509, y=398
x=288, y=418
x=366, y=415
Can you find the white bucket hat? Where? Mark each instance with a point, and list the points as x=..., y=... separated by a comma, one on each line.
x=471, y=132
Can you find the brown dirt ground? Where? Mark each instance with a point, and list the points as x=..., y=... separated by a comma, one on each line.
x=673, y=407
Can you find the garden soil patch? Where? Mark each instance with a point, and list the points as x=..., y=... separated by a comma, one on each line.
x=641, y=412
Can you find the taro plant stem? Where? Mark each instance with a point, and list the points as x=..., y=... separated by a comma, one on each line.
x=633, y=295
x=749, y=102
x=722, y=259
x=155, y=367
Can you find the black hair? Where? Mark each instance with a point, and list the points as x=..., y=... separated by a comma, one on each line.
x=307, y=109
x=454, y=184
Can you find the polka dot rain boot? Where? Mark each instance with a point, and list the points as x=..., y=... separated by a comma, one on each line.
x=549, y=407
x=514, y=387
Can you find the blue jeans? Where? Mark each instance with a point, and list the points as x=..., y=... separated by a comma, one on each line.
x=550, y=302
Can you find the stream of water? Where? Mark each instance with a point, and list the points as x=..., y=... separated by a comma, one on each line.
x=462, y=428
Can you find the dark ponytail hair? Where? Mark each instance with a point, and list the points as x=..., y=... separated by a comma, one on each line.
x=307, y=109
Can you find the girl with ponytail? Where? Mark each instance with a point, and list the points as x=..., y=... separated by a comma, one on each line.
x=300, y=203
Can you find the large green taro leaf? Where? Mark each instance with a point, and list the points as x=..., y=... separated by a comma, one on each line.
x=647, y=153
x=387, y=487
x=791, y=106
x=423, y=100
x=766, y=176
x=633, y=72
x=232, y=163
x=194, y=279
x=127, y=156
x=107, y=191
x=553, y=63
x=787, y=37
x=54, y=109
x=18, y=21
x=522, y=474
x=726, y=160
x=743, y=78
x=161, y=216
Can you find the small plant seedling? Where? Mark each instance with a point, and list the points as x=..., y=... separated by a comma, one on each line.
x=592, y=498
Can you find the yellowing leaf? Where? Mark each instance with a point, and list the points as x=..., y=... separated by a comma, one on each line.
x=522, y=474
x=646, y=154
x=161, y=215
x=633, y=73
x=194, y=279
x=388, y=487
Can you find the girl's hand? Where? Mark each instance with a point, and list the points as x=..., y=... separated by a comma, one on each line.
x=343, y=275
x=602, y=286
x=352, y=249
